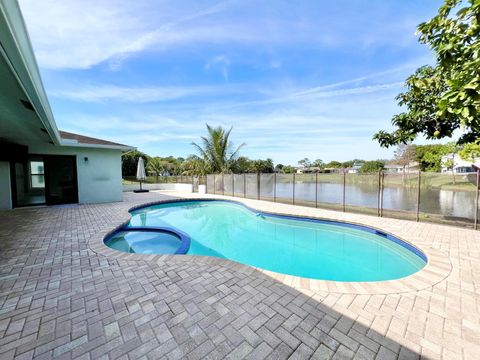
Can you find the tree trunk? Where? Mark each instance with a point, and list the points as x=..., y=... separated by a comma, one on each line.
x=453, y=168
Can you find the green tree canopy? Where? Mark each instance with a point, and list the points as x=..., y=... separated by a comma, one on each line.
x=445, y=97
x=318, y=163
x=194, y=166
x=372, y=166
x=156, y=166
x=334, y=164
x=217, y=149
x=305, y=162
x=130, y=161
x=288, y=169
x=350, y=163
x=242, y=165
x=470, y=151
x=261, y=166
x=430, y=156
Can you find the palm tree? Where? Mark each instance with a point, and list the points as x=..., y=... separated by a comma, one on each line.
x=194, y=165
x=216, y=149
x=156, y=166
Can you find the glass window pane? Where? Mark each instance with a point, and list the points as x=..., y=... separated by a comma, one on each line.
x=36, y=167
x=38, y=181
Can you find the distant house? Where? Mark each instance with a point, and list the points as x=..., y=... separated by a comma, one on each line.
x=333, y=170
x=308, y=170
x=355, y=168
x=460, y=166
x=393, y=168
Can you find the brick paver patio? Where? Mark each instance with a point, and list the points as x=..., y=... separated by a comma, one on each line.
x=60, y=297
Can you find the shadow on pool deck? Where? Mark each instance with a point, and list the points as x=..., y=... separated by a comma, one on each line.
x=58, y=298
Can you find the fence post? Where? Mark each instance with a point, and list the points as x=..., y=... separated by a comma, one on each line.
x=316, y=190
x=223, y=183
x=378, y=191
x=344, y=185
x=206, y=184
x=381, y=194
x=244, y=186
x=233, y=185
x=274, y=187
x=293, y=197
x=476, y=200
x=258, y=186
x=214, y=185
x=418, y=197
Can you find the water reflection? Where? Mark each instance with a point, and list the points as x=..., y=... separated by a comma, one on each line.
x=434, y=201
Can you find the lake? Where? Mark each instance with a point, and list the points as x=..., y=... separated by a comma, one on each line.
x=448, y=203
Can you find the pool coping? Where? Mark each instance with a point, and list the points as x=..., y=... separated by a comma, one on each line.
x=437, y=269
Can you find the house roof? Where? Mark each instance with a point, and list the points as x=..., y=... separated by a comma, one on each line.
x=77, y=139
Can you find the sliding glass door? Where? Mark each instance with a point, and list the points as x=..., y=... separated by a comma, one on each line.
x=28, y=182
x=44, y=179
x=61, y=180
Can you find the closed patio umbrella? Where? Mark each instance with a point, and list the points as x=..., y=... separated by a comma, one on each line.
x=141, y=174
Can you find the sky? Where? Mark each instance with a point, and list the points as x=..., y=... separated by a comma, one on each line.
x=295, y=79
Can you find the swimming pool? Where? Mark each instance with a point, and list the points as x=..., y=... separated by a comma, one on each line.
x=317, y=249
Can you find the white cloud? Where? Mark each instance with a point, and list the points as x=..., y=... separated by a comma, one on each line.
x=301, y=97
x=220, y=61
x=80, y=34
x=102, y=93
x=325, y=127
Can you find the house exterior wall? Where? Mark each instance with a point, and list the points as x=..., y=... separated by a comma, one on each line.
x=459, y=165
x=99, y=178
x=413, y=167
x=5, y=189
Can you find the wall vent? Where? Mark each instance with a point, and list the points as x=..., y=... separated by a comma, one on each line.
x=27, y=105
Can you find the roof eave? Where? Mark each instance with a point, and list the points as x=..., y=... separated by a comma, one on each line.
x=98, y=146
x=24, y=66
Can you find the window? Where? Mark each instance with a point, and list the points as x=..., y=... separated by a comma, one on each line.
x=37, y=176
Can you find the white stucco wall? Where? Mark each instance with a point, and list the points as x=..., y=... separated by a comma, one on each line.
x=5, y=188
x=99, y=178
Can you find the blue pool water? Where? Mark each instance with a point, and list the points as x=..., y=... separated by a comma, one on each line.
x=145, y=242
x=313, y=249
